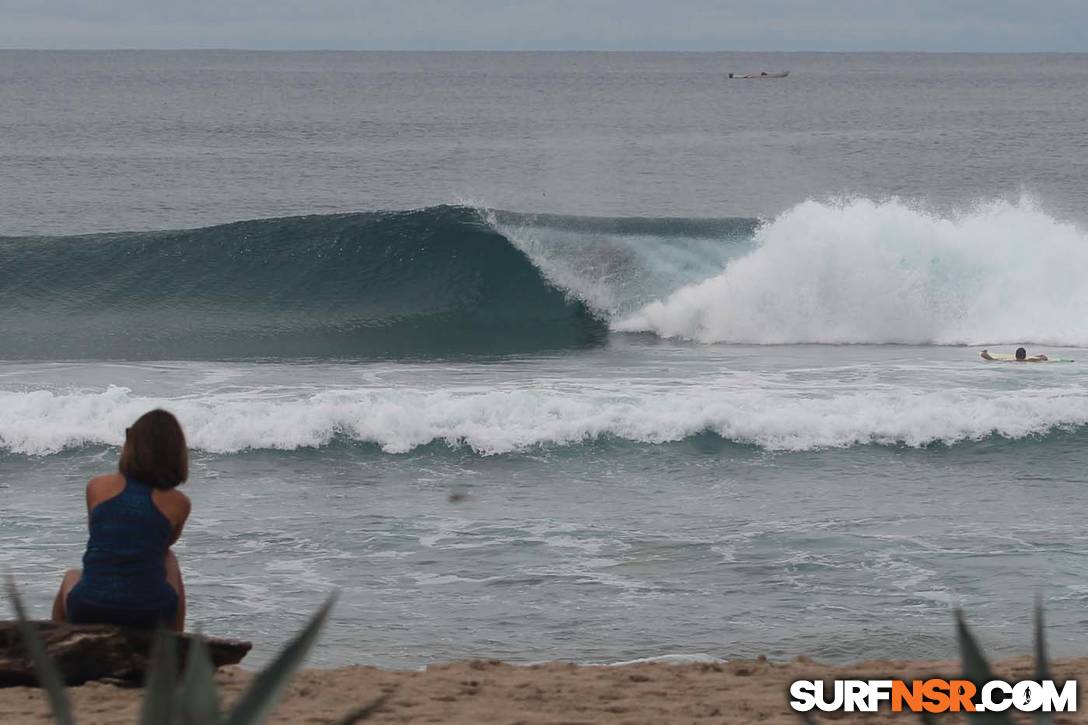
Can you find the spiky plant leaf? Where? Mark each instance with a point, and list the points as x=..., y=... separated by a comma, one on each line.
x=160, y=685
x=977, y=670
x=975, y=666
x=1042, y=666
x=258, y=701
x=199, y=696
x=48, y=675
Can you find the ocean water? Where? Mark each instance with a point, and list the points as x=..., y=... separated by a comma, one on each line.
x=561, y=356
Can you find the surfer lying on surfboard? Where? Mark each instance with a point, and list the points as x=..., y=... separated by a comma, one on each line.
x=1021, y=356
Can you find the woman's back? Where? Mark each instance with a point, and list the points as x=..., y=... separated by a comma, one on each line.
x=124, y=565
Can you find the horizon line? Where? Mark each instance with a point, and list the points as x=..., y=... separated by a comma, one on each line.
x=527, y=51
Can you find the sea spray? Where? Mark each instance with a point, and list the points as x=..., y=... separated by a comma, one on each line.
x=864, y=271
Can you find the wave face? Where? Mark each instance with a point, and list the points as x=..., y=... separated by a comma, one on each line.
x=505, y=420
x=618, y=265
x=886, y=272
x=429, y=282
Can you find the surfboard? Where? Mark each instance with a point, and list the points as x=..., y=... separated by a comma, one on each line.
x=1006, y=357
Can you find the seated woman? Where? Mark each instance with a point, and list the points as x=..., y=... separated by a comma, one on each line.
x=130, y=576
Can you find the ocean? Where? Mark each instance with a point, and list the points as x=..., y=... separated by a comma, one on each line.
x=579, y=356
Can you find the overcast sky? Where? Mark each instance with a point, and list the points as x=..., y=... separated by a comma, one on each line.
x=832, y=25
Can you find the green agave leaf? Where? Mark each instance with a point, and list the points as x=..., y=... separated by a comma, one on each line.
x=199, y=696
x=976, y=669
x=975, y=666
x=257, y=702
x=1042, y=666
x=160, y=687
x=48, y=675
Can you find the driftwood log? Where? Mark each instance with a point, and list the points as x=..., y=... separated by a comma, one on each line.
x=97, y=652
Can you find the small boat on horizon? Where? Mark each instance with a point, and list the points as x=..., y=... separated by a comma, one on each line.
x=759, y=76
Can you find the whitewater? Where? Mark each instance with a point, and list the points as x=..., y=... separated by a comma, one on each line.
x=862, y=271
x=520, y=410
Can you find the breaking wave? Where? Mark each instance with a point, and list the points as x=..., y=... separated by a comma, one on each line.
x=863, y=271
x=505, y=420
x=451, y=280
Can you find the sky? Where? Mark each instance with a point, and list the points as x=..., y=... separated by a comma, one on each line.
x=696, y=25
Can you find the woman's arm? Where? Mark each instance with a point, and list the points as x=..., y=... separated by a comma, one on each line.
x=90, y=494
x=184, y=508
x=175, y=506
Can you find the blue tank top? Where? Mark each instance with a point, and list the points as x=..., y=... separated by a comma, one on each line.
x=124, y=567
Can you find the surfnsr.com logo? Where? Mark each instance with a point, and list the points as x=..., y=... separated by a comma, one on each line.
x=933, y=696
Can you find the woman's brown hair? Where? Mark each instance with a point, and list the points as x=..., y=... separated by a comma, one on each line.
x=155, y=451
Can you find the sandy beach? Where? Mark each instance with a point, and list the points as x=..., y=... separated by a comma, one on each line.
x=482, y=691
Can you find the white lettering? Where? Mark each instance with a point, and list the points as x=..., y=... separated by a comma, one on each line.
x=803, y=693
x=990, y=703
x=1027, y=696
x=879, y=691
x=1064, y=700
x=833, y=704
x=855, y=697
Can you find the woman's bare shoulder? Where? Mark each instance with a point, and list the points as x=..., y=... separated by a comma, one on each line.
x=104, y=487
x=174, y=504
x=179, y=497
x=105, y=483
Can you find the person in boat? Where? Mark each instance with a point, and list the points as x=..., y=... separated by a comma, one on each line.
x=130, y=576
x=1021, y=356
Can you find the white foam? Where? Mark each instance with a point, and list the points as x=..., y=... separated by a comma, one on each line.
x=887, y=272
x=492, y=421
